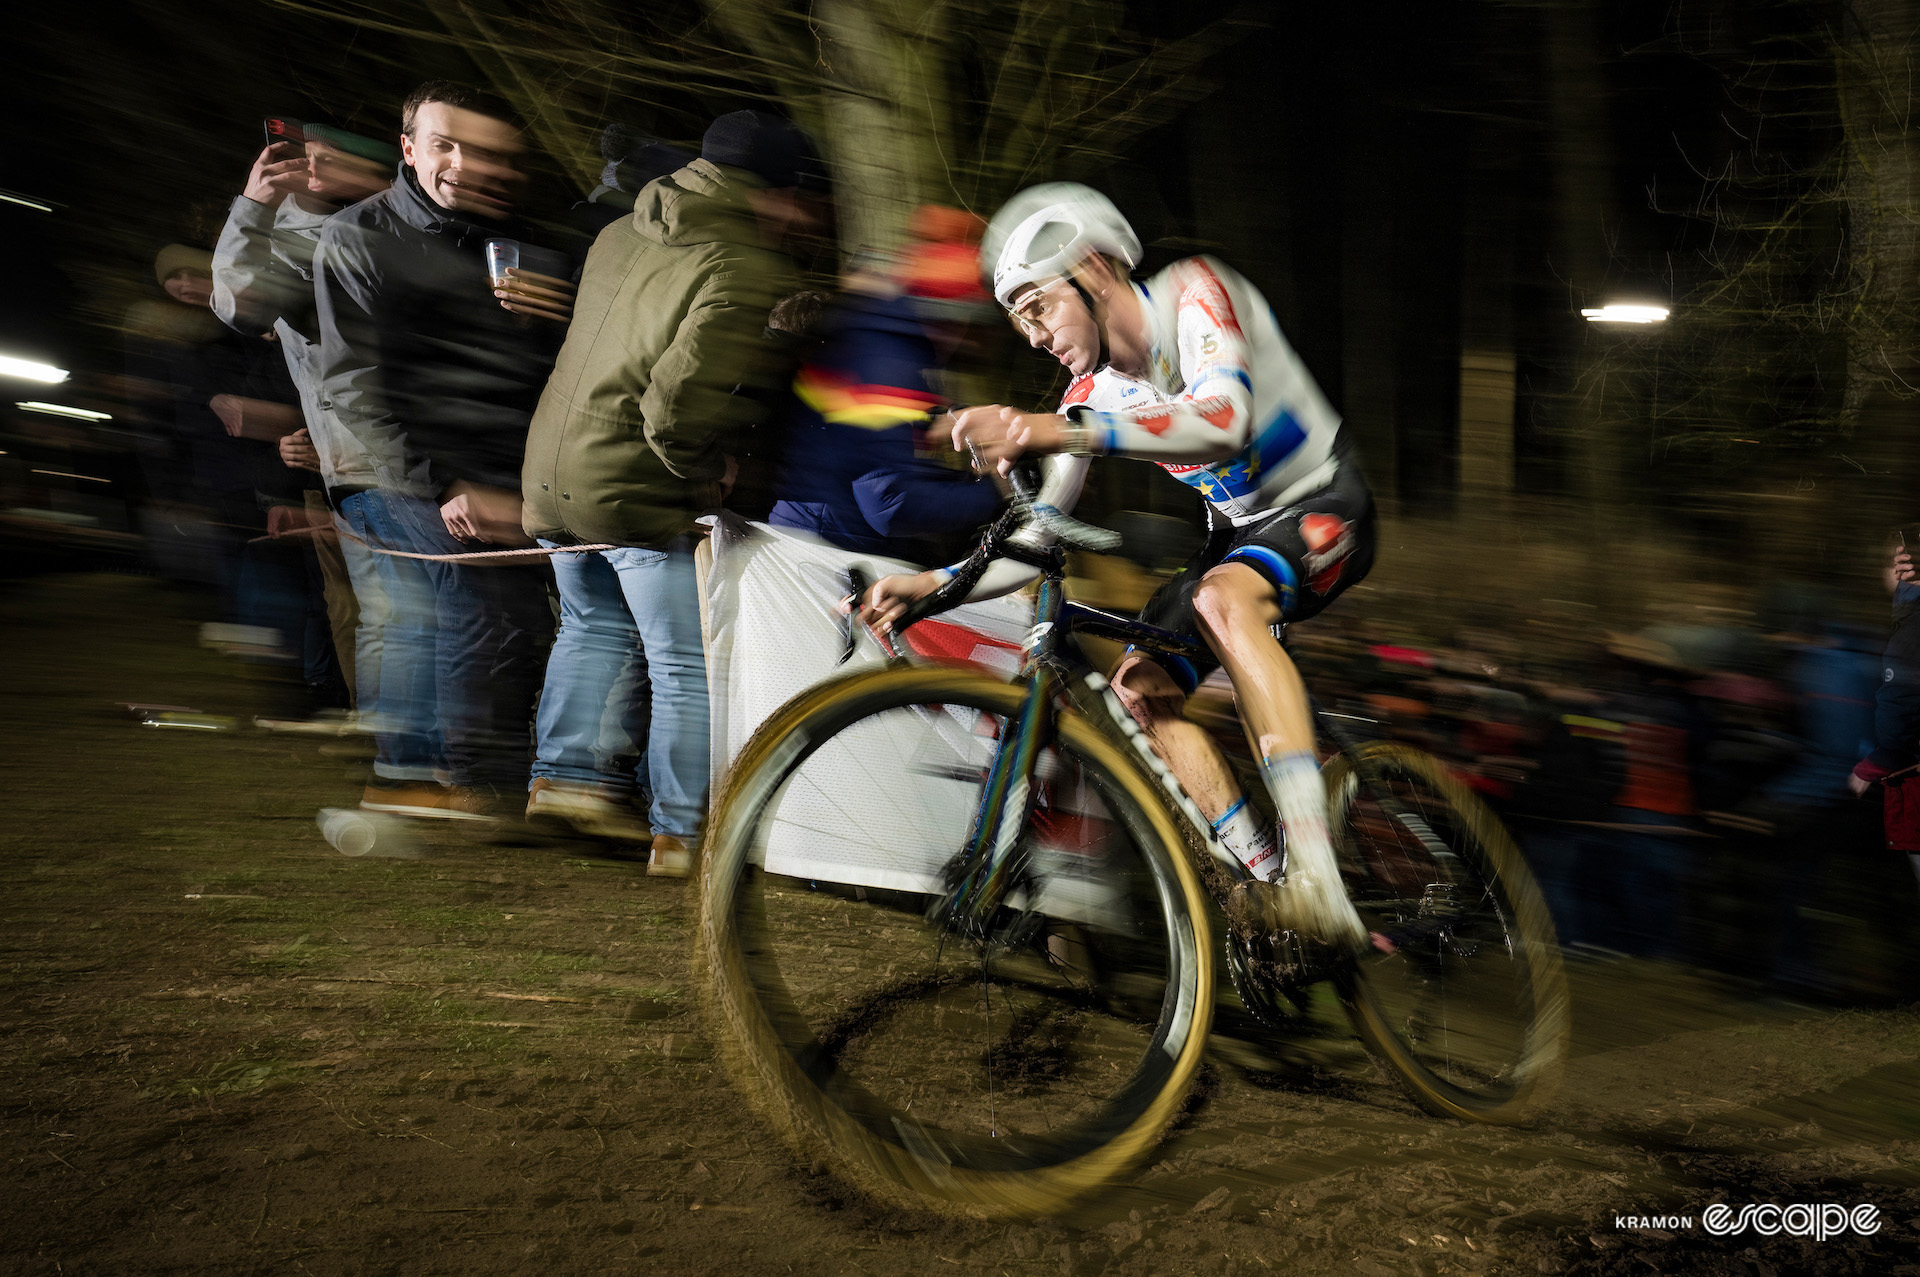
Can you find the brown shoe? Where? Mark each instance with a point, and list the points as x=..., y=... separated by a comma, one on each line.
x=472, y=804
x=671, y=857
x=583, y=810
x=427, y=800
x=418, y=798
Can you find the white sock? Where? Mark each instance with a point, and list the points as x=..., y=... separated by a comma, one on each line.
x=1316, y=897
x=1253, y=844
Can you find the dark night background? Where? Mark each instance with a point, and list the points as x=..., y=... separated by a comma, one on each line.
x=1397, y=179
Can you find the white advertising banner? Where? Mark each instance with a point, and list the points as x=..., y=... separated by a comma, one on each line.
x=884, y=805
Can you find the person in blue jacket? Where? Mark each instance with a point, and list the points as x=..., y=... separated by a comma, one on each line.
x=854, y=471
x=1896, y=712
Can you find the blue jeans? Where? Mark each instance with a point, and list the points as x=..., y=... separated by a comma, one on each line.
x=370, y=630
x=461, y=650
x=615, y=604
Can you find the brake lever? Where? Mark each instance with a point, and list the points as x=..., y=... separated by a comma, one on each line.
x=858, y=584
x=979, y=462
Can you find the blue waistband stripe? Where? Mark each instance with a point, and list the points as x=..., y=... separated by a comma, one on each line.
x=1272, y=564
x=1178, y=667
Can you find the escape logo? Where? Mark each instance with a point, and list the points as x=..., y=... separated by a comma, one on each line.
x=1802, y=1219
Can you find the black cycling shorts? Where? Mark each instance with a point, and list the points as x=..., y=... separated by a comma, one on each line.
x=1310, y=552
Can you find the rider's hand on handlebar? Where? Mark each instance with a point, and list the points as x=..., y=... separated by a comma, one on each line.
x=1000, y=436
x=891, y=596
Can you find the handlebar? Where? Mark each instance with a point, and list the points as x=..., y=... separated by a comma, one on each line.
x=954, y=591
x=1029, y=530
x=1053, y=522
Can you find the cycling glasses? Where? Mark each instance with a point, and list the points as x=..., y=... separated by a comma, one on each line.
x=1041, y=309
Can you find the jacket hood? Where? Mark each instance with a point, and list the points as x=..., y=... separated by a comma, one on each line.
x=703, y=203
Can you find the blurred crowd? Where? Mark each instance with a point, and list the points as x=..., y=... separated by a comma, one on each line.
x=449, y=459
x=379, y=368
x=1725, y=794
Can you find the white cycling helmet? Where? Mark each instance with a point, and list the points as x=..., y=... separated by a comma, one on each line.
x=1044, y=231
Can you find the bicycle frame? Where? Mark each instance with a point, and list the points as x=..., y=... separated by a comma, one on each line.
x=985, y=873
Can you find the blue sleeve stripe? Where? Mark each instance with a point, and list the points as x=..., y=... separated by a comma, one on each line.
x=1277, y=441
x=1232, y=374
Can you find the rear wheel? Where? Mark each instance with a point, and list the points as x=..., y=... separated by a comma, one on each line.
x=1470, y=1008
x=1008, y=1075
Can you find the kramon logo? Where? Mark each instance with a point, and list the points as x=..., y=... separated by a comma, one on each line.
x=1767, y=1219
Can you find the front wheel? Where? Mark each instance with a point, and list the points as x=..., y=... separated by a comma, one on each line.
x=1469, y=1009
x=1007, y=1074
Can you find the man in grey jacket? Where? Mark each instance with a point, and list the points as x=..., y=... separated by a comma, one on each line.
x=263, y=282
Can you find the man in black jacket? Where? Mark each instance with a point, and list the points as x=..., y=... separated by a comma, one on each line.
x=434, y=372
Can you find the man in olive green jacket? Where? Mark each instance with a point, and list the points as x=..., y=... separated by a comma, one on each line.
x=631, y=443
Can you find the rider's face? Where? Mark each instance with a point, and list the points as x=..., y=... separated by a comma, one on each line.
x=1055, y=318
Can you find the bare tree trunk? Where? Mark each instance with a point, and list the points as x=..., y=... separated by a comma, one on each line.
x=887, y=131
x=1582, y=195
x=1878, y=43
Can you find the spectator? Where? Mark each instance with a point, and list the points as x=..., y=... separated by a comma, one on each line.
x=1664, y=739
x=1580, y=767
x=433, y=373
x=632, y=443
x=1801, y=823
x=858, y=468
x=182, y=360
x=1896, y=718
x=632, y=161
x=792, y=331
x=263, y=283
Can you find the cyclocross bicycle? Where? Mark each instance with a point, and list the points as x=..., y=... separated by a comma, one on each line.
x=958, y=933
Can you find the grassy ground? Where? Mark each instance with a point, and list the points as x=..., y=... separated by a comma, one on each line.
x=224, y=1047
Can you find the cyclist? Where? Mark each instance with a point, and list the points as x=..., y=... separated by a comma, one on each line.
x=1189, y=369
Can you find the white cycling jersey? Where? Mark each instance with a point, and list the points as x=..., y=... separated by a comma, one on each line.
x=1225, y=407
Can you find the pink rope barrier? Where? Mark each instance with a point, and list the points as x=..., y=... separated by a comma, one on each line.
x=531, y=552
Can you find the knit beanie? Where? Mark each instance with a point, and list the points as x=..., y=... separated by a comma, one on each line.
x=775, y=150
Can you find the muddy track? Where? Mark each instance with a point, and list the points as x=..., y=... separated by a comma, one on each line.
x=227, y=1048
